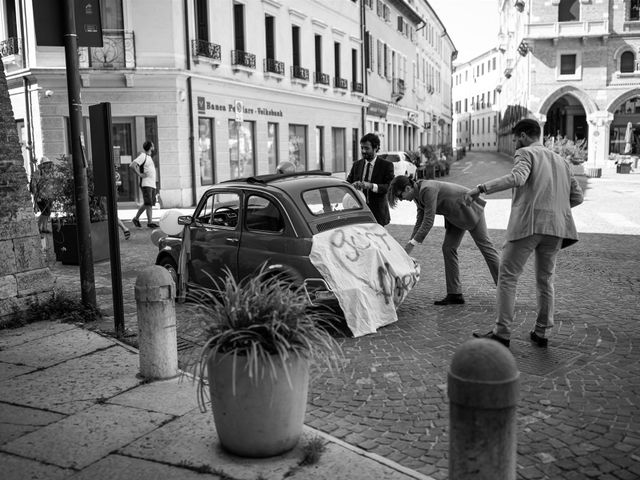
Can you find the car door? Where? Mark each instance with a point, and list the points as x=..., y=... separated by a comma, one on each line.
x=266, y=235
x=215, y=237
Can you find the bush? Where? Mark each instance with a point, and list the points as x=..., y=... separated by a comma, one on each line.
x=575, y=152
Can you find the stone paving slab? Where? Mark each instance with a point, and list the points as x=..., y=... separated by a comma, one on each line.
x=16, y=421
x=88, y=435
x=119, y=467
x=46, y=351
x=74, y=385
x=18, y=468
x=12, y=337
x=9, y=370
x=173, y=397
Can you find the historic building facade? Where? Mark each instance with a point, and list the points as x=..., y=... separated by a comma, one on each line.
x=573, y=65
x=232, y=87
x=476, y=96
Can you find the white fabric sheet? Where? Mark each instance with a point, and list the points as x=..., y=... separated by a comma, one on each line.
x=369, y=272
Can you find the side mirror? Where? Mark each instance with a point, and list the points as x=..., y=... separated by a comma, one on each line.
x=185, y=220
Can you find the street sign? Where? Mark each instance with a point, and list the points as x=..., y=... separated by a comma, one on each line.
x=48, y=22
x=239, y=108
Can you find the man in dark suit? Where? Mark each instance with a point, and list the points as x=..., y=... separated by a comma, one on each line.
x=372, y=175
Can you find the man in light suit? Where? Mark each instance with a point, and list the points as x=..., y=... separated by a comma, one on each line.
x=544, y=192
x=372, y=175
x=448, y=199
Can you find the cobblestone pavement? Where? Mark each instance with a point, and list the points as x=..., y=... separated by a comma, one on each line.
x=578, y=416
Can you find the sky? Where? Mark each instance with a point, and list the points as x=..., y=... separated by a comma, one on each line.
x=471, y=24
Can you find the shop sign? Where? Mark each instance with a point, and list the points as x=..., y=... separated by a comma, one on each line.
x=237, y=107
x=378, y=109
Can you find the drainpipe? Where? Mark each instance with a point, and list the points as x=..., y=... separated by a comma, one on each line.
x=365, y=87
x=187, y=56
x=27, y=95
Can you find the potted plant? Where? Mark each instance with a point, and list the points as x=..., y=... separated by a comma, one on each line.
x=574, y=152
x=63, y=208
x=261, y=339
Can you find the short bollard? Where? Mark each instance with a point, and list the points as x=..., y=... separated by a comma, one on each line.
x=157, y=337
x=483, y=387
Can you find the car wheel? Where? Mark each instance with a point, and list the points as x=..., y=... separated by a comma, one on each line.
x=172, y=268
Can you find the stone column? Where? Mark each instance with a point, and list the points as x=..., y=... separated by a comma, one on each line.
x=24, y=275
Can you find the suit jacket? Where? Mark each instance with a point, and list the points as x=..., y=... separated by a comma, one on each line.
x=382, y=175
x=447, y=199
x=544, y=191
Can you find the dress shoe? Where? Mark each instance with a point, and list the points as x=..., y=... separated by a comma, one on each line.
x=493, y=336
x=538, y=340
x=451, y=299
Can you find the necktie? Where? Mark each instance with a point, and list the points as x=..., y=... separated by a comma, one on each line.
x=367, y=172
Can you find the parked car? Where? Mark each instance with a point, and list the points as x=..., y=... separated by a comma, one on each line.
x=402, y=164
x=240, y=224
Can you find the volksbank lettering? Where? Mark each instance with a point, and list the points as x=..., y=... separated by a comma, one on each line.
x=269, y=112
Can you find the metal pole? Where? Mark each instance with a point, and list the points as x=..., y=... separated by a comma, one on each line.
x=85, y=253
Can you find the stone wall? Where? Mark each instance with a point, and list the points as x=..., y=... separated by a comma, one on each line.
x=24, y=275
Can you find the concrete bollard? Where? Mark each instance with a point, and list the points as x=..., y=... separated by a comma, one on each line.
x=483, y=388
x=157, y=336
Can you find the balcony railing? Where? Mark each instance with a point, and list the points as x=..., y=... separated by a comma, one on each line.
x=321, y=78
x=203, y=48
x=397, y=88
x=118, y=51
x=243, y=59
x=340, y=83
x=566, y=29
x=300, y=73
x=10, y=46
x=273, y=66
x=357, y=87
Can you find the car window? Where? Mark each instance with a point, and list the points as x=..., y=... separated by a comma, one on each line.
x=321, y=201
x=220, y=209
x=262, y=214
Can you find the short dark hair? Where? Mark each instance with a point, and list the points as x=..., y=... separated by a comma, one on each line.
x=396, y=187
x=529, y=126
x=147, y=145
x=373, y=139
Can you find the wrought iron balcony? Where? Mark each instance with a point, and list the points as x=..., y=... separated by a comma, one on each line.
x=340, y=83
x=117, y=51
x=243, y=59
x=10, y=46
x=357, y=87
x=273, y=66
x=300, y=73
x=202, y=48
x=321, y=78
x=397, y=88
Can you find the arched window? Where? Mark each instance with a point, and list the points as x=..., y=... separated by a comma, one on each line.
x=568, y=11
x=627, y=62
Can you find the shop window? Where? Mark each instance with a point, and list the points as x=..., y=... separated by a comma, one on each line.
x=627, y=62
x=319, y=149
x=241, y=149
x=339, y=148
x=272, y=146
x=298, y=146
x=205, y=151
x=569, y=11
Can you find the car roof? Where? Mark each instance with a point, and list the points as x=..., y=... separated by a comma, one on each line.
x=291, y=183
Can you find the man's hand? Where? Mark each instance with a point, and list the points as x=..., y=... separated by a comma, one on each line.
x=409, y=247
x=358, y=185
x=367, y=185
x=471, y=195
